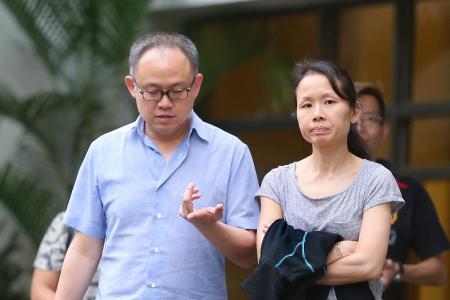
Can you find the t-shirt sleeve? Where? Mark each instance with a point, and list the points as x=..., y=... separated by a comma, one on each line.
x=271, y=186
x=429, y=238
x=242, y=209
x=85, y=210
x=383, y=188
x=53, y=247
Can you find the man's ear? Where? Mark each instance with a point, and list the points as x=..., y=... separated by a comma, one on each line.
x=197, y=85
x=129, y=82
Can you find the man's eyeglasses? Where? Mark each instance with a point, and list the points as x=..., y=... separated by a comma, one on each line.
x=370, y=119
x=156, y=95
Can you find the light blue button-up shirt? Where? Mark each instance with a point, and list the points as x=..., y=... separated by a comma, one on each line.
x=129, y=195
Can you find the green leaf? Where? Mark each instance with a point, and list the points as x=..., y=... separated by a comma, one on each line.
x=32, y=206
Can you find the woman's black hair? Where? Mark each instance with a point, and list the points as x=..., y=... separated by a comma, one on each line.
x=342, y=85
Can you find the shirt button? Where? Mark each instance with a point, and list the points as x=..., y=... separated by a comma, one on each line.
x=159, y=215
x=153, y=284
x=156, y=250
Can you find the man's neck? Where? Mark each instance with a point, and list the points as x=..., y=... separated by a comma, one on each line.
x=167, y=144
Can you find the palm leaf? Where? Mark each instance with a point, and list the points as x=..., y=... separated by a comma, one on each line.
x=9, y=272
x=84, y=46
x=101, y=29
x=35, y=114
x=33, y=206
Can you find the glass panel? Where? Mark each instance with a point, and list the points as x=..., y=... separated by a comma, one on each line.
x=366, y=44
x=432, y=51
x=247, y=63
x=430, y=141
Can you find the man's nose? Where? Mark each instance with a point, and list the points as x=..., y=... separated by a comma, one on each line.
x=165, y=101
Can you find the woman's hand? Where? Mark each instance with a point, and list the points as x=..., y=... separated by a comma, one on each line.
x=341, y=249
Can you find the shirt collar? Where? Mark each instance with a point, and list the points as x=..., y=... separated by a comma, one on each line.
x=197, y=125
x=139, y=124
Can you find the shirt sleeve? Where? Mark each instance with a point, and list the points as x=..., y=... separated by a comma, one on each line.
x=428, y=238
x=383, y=188
x=270, y=186
x=85, y=210
x=242, y=208
x=53, y=247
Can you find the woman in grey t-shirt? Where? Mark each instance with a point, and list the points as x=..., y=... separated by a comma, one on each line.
x=335, y=189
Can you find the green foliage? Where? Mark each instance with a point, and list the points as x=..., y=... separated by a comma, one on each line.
x=58, y=30
x=84, y=46
x=27, y=201
x=9, y=271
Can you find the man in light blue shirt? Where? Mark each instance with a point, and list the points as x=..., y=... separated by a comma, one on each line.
x=133, y=201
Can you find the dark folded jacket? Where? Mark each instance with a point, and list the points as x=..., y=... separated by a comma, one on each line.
x=291, y=261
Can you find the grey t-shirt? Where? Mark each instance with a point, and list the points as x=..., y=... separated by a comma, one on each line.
x=340, y=213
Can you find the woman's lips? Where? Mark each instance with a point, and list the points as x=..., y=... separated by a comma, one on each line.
x=320, y=130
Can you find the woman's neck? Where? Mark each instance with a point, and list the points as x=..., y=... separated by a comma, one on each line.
x=331, y=160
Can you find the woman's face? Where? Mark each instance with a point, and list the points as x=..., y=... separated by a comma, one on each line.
x=323, y=117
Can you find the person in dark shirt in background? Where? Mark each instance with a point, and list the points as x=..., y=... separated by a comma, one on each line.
x=416, y=226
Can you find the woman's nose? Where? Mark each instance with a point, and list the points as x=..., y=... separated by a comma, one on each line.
x=317, y=112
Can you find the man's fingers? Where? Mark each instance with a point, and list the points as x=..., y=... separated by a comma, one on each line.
x=197, y=215
x=206, y=214
x=190, y=194
x=188, y=191
x=186, y=203
x=196, y=196
x=219, y=210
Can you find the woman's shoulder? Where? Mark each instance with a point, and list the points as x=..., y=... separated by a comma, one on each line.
x=376, y=169
x=280, y=175
x=375, y=174
x=281, y=170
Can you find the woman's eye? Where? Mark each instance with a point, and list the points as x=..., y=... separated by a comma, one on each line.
x=306, y=105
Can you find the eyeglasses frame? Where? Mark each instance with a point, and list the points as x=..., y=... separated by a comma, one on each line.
x=164, y=92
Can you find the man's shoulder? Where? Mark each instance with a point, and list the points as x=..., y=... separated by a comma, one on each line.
x=407, y=183
x=125, y=129
x=404, y=182
x=412, y=190
x=414, y=193
x=218, y=135
x=113, y=135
